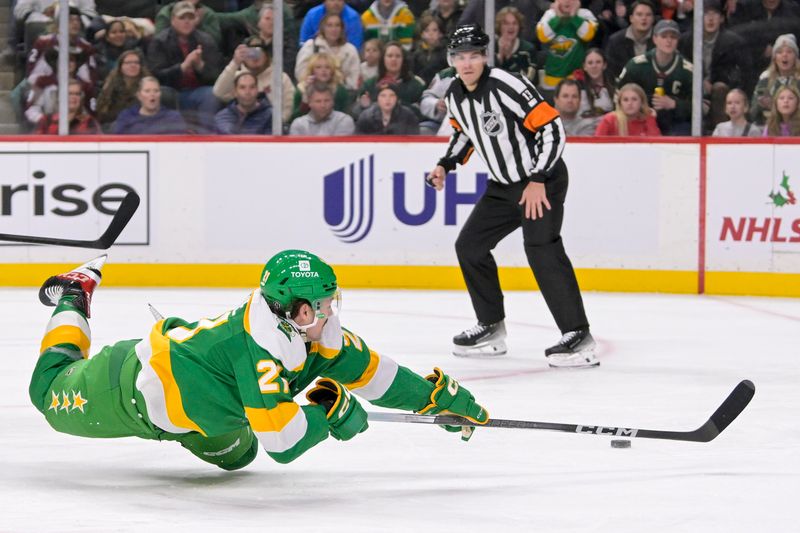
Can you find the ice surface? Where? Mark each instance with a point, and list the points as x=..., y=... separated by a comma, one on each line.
x=667, y=363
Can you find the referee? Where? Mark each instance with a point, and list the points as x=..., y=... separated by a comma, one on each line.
x=520, y=137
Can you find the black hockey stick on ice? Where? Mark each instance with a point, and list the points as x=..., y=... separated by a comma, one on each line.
x=126, y=210
x=722, y=417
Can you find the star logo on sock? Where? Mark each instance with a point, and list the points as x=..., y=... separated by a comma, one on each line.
x=55, y=402
x=65, y=405
x=78, y=401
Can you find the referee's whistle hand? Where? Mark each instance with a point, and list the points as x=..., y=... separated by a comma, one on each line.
x=436, y=178
x=534, y=200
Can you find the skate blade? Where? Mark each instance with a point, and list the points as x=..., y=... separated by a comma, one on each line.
x=495, y=349
x=584, y=359
x=97, y=263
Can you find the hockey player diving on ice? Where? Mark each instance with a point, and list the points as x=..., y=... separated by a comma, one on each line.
x=222, y=386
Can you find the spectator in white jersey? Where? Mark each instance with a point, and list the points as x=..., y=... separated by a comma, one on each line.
x=520, y=137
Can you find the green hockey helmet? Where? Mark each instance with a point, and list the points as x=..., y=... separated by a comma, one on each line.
x=296, y=275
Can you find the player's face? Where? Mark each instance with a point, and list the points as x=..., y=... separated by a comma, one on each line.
x=594, y=65
x=785, y=59
x=469, y=65
x=642, y=18
x=712, y=20
x=786, y=103
x=666, y=42
x=630, y=103
x=308, y=316
x=735, y=105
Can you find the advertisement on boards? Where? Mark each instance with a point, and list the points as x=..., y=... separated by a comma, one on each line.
x=753, y=216
x=72, y=194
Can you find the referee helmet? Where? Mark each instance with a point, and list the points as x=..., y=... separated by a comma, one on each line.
x=467, y=37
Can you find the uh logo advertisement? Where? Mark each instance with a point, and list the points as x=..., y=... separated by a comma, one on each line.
x=72, y=194
x=357, y=195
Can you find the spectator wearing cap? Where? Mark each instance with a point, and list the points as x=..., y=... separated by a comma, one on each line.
x=759, y=23
x=353, y=28
x=565, y=29
x=389, y=20
x=187, y=61
x=249, y=113
x=253, y=56
x=80, y=122
x=666, y=77
x=149, y=117
x=635, y=40
x=783, y=70
x=567, y=100
x=207, y=19
x=322, y=119
x=331, y=39
x=513, y=54
x=387, y=116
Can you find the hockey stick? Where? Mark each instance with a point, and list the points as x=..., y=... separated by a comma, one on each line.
x=126, y=210
x=722, y=417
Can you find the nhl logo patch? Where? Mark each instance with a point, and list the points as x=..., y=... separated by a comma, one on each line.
x=492, y=123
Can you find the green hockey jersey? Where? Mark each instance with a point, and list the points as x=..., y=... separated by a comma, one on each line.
x=245, y=366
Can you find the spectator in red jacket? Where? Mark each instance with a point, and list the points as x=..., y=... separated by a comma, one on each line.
x=632, y=118
x=80, y=121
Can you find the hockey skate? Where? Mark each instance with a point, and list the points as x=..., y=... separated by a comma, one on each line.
x=481, y=340
x=80, y=282
x=574, y=350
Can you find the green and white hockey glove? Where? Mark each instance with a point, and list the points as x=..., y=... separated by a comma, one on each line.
x=346, y=417
x=448, y=397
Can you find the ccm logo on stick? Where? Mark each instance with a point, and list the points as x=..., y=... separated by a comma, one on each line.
x=600, y=430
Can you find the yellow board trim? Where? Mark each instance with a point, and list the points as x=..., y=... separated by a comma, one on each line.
x=161, y=362
x=415, y=277
x=368, y=374
x=753, y=283
x=66, y=334
x=263, y=420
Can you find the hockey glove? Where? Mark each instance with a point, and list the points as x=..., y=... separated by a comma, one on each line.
x=346, y=417
x=451, y=398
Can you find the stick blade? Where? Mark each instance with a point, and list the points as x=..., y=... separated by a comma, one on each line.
x=127, y=208
x=733, y=405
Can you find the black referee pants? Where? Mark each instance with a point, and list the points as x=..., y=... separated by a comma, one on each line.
x=496, y=215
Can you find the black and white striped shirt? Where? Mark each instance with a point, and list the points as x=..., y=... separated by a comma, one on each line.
x=517, y=133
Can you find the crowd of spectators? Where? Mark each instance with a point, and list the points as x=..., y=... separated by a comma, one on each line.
x=379, y=67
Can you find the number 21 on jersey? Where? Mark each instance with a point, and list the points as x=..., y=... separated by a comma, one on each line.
x=271, y=381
